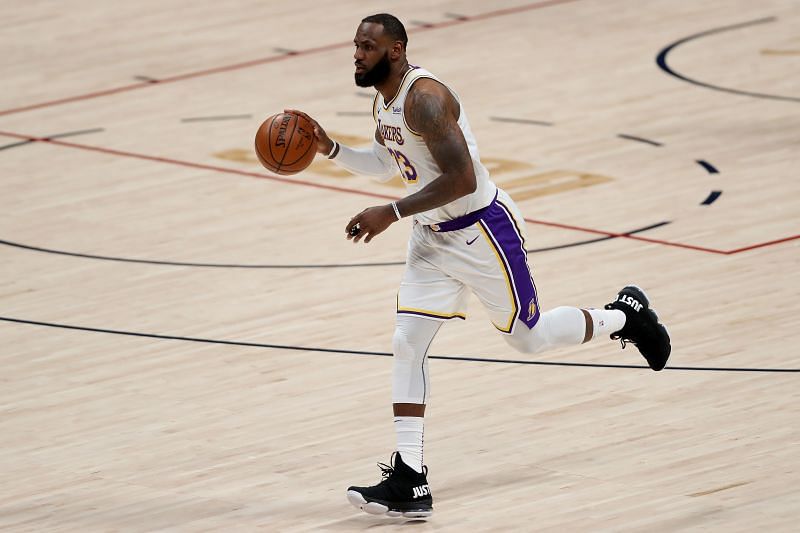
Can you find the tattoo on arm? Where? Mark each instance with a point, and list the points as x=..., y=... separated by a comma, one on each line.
x=432, y=116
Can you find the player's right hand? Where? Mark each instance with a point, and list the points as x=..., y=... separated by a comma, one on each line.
x=324, y=143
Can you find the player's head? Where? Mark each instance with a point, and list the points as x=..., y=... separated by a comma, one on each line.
x=380, y=42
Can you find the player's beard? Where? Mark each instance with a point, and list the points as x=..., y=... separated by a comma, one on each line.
x=377, y=74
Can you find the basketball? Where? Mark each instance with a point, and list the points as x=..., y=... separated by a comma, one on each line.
x=285, y=143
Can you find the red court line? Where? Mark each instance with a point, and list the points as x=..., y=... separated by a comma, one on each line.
x=626, y=236
x=200, y=166
x=347, y=190
x=762, y=244
x=276, y=58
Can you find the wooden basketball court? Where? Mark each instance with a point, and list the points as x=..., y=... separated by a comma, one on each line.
x=189, y=343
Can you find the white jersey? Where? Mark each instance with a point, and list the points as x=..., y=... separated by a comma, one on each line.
x=417, y=166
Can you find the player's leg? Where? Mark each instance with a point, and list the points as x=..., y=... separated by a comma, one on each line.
x=427, y=297
x=505, y=286
x=404, y=490
x=564, y=326
x=411, y=384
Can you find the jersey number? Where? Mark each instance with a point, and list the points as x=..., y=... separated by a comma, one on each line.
x=407, y=170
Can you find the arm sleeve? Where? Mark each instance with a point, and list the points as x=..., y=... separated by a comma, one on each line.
x=376, y=162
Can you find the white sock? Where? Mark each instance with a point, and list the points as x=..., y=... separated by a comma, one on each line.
x=409, y=439
x=606, y=321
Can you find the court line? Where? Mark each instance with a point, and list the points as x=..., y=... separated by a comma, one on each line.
x=711, y=198
x=661, y=61
x=276, y=58
x=277, y=266
x=56, y=136
x=711, y=169
x=385, y=354
x=638, y=139
x=216, y=118
x=514, y=120
x=188, y=164
x=212, y=168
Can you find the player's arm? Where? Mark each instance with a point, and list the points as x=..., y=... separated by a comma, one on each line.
x=375, y=161
x=433, y=111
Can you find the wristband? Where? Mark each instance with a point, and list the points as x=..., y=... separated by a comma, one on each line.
x=396, y=210
x=334, y=150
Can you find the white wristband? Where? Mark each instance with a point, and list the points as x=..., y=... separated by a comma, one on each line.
x=334, y=149
x=396, y=211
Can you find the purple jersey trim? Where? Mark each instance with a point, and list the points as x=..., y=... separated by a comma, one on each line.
x=464, y=221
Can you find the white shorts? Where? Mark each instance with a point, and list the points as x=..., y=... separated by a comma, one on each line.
x=485, y=255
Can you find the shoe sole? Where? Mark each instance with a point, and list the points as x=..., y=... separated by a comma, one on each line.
x=357, y=500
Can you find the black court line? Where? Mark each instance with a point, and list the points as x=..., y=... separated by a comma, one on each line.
x=638, y=139
x=599, y=239
x=218, y=117
x=521, y=121
x=292, y=266
x=188, y=264
x=148, y=79
x=422, y=23
x=711, y=169
x=712, y=197
x=56, y=136
x=386, y=354
x=74, y=133
x=354, y=113
x=365, y=95
x=286, y=51
x=661, y=61
x=18, y=143
x=456, y=16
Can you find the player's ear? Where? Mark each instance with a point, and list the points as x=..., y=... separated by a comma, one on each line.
x=397, y=50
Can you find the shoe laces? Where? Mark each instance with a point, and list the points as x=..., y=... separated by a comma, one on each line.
x=386, y=470
x=623, y=340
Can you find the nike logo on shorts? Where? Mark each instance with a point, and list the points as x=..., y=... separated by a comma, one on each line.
x=473, y=240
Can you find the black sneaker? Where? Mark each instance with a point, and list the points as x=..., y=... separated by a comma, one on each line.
x=403, y=492
x=642, y=327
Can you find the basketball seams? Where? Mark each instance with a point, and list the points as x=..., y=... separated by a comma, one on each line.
x=264, y=160
x=288, y=140
x=277, y=127
x=269, y=139
x=311, y=145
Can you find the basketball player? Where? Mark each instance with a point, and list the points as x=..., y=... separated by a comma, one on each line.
x=468, y=235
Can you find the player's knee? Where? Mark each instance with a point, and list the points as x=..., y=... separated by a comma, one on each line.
x=532, y=340
x=526, y=340
x=402, y=348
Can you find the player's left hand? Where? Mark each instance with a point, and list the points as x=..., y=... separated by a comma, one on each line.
x=370, y=222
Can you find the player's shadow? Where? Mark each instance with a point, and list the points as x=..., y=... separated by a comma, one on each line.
x=365, y=522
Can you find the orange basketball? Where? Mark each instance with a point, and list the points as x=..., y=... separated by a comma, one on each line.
x=285, y=143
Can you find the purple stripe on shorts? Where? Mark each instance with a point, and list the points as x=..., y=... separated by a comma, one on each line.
x=501, y=226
